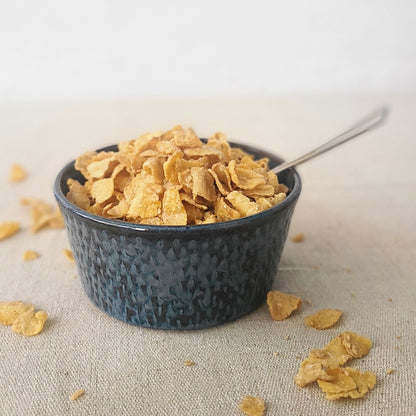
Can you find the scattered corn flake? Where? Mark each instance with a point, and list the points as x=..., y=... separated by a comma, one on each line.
x=76, y=394
x=43, y=215
x=399, y=336
x=29, y=323
x=189, y=363
x=282, y=305
x=17, y=173
x=389, y=370
x=8, y=228
x=252, y=406
x=347, y=382
x=337, y=352
x=323, y=319
x=131, y=184
x=298, y=238
x=10, y=311
x=29, y=255
x=389, y=299
x=68, y=254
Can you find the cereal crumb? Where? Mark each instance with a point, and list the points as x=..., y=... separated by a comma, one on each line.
x=347, y=270
x=352, y=294
x=74, y=276
x=389, y=299
x=282, y=305
x=8, y=228
x=276, y=354
x=252, y=406
x=323, y=319
x=17, y=173
x=68, y=254
x=399, y=336
x=298, y=238
x=389, y=370
x=77, y=394
x=189, y=363
x=298, y=357
x=287, y=338
x=29, y=255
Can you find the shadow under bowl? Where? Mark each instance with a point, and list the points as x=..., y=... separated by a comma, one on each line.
x=178, y=277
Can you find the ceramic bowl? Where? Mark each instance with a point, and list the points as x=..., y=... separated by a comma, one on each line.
x=178, y=277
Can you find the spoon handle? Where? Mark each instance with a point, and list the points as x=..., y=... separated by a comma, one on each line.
x=367, y=123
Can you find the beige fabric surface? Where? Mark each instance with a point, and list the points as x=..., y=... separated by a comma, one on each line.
x=357, y=211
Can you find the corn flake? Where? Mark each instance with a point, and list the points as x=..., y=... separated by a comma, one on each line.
x=68, y=254
x=173, y=210
x=29, y=323
x=43, y=215
x=252, y=406
x=29, y=255
x=347, y=382
x=8, y=228
x=323, y=319
x=17, y=173
x=78, y=194
x=10, y=311
x=344, y=347
x=281, y=305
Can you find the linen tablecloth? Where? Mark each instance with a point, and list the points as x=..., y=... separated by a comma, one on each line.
x=357, y=212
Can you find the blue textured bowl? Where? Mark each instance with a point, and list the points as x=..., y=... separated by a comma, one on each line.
x=178, y=277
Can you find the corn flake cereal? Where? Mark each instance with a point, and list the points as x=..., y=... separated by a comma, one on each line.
x=8, y=228
x=252, y=406
x=43, y=215
x=298, y=238
x=173, y=178
x=323, y=319
x=68, y=254
x=281, y=305
x=347, y=382
x=29, y=255
x=344, y=347
x=17, y=173
x=29, y=323
x=10, y=311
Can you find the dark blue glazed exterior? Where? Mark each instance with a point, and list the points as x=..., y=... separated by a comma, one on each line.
x=178, y=277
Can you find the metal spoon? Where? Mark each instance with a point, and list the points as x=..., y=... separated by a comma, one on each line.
x=369, y=122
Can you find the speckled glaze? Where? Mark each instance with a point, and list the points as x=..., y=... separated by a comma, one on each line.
x=178, y=277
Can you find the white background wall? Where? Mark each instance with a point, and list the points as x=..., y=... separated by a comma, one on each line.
x=98, y=48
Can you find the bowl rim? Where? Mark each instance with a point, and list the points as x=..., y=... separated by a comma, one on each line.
x=230, y=224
